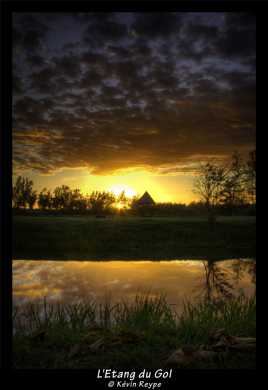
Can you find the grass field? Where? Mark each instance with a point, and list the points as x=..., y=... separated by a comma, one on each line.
x=89, y=238
x=143, y=334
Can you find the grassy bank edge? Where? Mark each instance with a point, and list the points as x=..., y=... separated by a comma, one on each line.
x=138, y=334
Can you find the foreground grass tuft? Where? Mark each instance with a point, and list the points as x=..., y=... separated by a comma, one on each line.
x=138, y=334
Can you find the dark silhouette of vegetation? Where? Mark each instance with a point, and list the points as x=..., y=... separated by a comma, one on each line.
x=209, y=186
x=234, y=189
x=251, y=177
x=223, y=190
x=227, y=187
x=137, y=334
x=45, y=200
x=23, y=194
x=101, y=202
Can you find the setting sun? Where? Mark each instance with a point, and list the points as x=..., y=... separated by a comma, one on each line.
x=118, y=189
x=119, y=206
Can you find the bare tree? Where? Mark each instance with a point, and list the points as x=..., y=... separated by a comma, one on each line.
x=209, y=186
x=234, y=188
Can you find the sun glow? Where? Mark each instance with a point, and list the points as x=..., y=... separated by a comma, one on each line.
x=118, y=189
x=119, y=206
x=162, y=188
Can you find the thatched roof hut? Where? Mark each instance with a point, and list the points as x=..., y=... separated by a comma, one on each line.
x=146, y=200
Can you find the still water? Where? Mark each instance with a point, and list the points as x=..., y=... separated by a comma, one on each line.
x=76, y=281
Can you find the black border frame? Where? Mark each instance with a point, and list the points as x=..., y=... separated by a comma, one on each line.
x=6, y=165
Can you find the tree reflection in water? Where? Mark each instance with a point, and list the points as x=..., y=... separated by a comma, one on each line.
x=242, y=267
x=217, y=284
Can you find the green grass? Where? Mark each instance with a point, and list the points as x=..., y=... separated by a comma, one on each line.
x=88, y=238
x=137, y=335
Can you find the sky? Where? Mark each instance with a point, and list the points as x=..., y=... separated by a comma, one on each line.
x=131, y=101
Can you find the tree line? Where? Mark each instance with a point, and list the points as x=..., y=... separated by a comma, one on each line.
x=222, y=189
x=63, y=199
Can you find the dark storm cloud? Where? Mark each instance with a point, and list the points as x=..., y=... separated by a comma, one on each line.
x=236, y=43
x=127, y=90
x=100, y=31
x=90, y=16
x=233, y=39
x=42, y=81
x=36, y=60
x=29, y=32
x=67, y=65
x=157, y=25
x=239, y=37
x=17, y=84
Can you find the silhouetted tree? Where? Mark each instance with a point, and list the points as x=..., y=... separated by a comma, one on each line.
x=122, y=198
x=31, y=199
x=62, y=197
x=234, y=189
x=45, y=199
x=251, y=176
x=230, y=188
x=23, y=193
x=209, y=186
x=78, y=202
x=100, y=202
x=124, y=201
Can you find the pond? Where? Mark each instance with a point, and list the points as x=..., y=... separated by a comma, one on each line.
x=180, y=280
